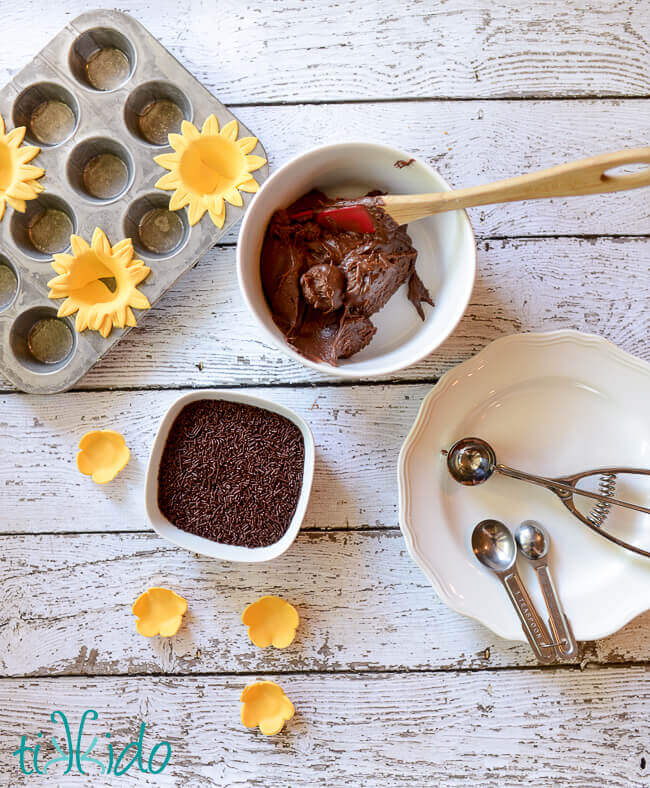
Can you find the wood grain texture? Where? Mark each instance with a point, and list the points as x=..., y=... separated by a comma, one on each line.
x=473, y=142
x=493, y=729
x=358, y=432
x=390, y=686
x=364, y=606
x=282, y=51
x=201, y=334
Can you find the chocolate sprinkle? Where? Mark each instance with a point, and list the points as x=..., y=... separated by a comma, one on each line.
x=231, y=473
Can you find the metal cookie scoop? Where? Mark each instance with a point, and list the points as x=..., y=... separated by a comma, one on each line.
x=534, y=542
x=495, y=548
x=472, y=461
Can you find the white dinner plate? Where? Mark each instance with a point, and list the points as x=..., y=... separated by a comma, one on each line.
x=552, y=404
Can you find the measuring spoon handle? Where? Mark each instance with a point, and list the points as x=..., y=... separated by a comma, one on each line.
x=560, y=627
x=533, y=626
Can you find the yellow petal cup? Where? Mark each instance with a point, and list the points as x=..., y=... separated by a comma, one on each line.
x=159, y=611
x=271, y=621
x=265, y=705
x=103, y=455
x=18, y=179
x=81, y=280
x=208, y=168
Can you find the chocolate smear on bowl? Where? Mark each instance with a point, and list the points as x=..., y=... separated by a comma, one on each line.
x=401, y=163
x=323, y=283
x=231, y=473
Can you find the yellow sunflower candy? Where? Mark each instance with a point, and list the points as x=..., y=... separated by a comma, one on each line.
x=81, y=281
x=265, y=705
x=103, y=455
x=271, y=621
x=18, y=179
x=207, y=168
x=159, y=611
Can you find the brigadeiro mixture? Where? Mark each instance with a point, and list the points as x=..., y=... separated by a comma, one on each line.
x=231, y=473
x=323, y=283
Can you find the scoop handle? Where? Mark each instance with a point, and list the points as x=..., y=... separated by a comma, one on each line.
x=586, y=176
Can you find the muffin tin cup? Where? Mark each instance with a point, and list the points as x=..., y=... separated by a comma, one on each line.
x=99, y=100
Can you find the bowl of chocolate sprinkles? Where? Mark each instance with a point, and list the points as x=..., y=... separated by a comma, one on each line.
x=230, y=475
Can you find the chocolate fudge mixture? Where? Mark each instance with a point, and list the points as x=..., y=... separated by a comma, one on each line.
x=231, y=473
x=323, y=283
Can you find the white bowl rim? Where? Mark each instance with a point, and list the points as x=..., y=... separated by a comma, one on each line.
x=199, y=544
x=282, y=344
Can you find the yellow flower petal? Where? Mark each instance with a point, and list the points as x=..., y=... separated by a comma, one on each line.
x=189, y=130
x=246, y=144
x=195, y=212
x=265, y=705
x=29, y=172
x=159, y=611
x=27, y=153
x=17, y=205
x=67, y=308
x=100, y=243
x=167, y=160
x=233, y=197
x=254, y=163
x=78, y=245
x=16, y=136
x=230, y=130
x=178, y=200
x=22, y=190
x=178, y=143
x=103, y=454
x=250, y=185
x=169, y=181
x=210, y=125
x=139, y=300
x=271, y=620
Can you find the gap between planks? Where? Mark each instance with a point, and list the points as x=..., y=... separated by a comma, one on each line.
x=366, y=673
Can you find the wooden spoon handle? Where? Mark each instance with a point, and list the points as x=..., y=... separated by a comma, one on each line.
x=587, y=176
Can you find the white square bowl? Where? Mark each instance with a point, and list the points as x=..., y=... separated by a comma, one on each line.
x=199, y=544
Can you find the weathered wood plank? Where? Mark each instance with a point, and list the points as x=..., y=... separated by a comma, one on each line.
x=252, y=52
x=471, y=142
x=201, y=334
x=547, y=727
x=358, y=433
x=65, y=608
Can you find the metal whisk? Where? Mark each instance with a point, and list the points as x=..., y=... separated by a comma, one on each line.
x=472, y=461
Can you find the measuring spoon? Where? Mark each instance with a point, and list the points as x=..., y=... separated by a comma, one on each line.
x=495, y=548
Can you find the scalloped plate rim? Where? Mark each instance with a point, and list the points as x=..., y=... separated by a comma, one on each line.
x=534, y=338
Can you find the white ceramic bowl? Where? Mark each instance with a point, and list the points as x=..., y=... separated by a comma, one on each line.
x=199, y=544
x=446, y=248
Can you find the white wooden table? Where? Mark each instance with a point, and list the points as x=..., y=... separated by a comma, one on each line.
x=390, y=687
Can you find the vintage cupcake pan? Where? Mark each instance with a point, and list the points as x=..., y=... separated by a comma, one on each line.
x=104, y=85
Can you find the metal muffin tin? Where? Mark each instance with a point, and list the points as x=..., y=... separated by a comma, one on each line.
x=102, y=86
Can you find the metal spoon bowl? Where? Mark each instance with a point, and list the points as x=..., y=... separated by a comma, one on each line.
x=471, y=461
x=533, y=540
x=494, y=545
